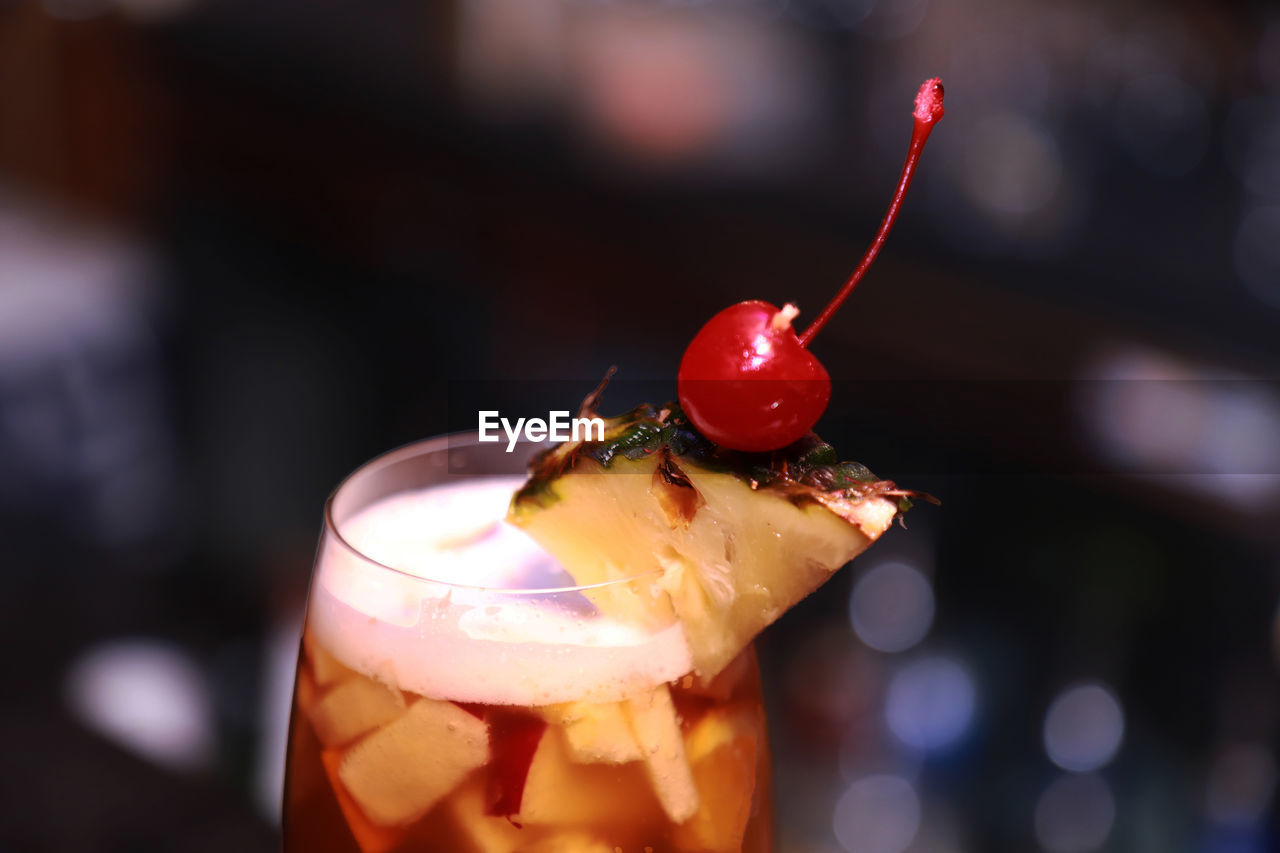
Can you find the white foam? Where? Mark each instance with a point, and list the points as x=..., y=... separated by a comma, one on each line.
x=438, y=627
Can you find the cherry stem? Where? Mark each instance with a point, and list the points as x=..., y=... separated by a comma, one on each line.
x=928, y=110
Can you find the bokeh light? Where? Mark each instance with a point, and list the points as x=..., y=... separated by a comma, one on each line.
x=148, y=697
x=1075, y=814
x=891, y=607
x=930, y=703
x=84, y=423
x=877, y=814
x=280, y=659
x=1155, y=414
x=627, y=68
x=1012, y=165
x=1083, y=727
x=1242, y=782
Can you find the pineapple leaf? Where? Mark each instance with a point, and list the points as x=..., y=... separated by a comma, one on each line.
x=807, y=471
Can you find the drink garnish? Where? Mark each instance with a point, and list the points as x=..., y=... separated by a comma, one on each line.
x=727, y=540
x=747, y=380
x=722, y=510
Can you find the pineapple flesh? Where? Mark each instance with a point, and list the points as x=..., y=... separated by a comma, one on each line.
x=725, y=542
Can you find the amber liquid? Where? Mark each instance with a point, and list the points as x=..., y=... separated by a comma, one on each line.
x=681, y=769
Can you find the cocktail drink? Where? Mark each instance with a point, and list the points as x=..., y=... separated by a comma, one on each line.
x=562, y=663
x=456, y=692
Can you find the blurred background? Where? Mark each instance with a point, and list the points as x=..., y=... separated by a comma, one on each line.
x=246, y=246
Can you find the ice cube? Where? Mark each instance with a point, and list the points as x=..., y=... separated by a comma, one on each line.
x=400, y=771
x=657, y=729
x=722, y=748
x=353, y=708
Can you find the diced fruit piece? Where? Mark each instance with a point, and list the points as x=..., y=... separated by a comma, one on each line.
x=597, y=732
x=722, y=748
x=370, y=837
x=484, y=833
x=327, y=669
x=560, y=792
x=514, y=736
x=353, y=708
x=733, y=539
x=657, y=730
x=400, y=771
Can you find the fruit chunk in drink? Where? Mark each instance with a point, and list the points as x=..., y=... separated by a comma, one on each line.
x=443, y=718
x=673, y=770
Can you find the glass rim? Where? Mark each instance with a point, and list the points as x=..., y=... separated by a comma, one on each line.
x=422, y=447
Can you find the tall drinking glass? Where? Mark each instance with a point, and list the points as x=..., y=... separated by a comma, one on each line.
x=455, y=693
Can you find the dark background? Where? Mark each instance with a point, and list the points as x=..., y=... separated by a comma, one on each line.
x=245, y=246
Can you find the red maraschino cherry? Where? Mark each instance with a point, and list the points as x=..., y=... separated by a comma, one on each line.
x=747, y=380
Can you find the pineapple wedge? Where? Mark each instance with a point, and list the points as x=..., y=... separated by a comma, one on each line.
x=727, y=540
